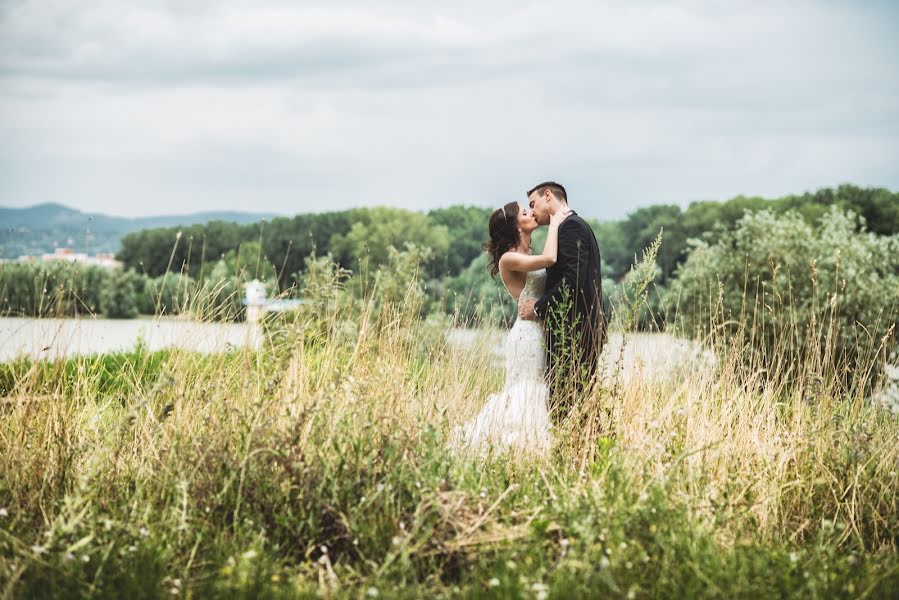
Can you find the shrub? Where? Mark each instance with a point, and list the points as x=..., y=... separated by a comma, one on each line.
x=119, y=296
x=794, y=293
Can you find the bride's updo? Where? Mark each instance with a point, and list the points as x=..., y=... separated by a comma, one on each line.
x=504, y=234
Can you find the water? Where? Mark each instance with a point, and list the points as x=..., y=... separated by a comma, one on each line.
x=56, y=338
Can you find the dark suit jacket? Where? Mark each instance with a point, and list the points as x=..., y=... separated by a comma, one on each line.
x=577, y=267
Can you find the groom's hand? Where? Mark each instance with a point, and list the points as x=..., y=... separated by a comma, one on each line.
x=526, y=310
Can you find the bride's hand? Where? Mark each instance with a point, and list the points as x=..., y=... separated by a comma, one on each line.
x=560, y=216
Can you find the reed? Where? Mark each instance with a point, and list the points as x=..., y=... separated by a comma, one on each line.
x=318, y=465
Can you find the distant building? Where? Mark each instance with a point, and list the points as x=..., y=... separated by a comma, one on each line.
x=102, y=259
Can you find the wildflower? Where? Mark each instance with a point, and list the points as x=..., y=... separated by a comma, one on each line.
x=324, y=549
x=493, y=582
x=564, y=542
x=4, y=512
x=144, y=532
x=604, y=562
x=541, y=590
x=372, y=592
x=793, y=557
x=85, y=558
x=483, y=492
x=380, y=488
x=396, y=540
x=39, y=549
x=418, y=484
x=249, y=555
x=69, y=557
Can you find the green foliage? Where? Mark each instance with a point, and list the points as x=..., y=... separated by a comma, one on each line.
x=119, y=296
x=620, y=241
x=168, y=294
x=478, y=298
x=467, y=228
x=812, y=293
x=375, y=230
x=50, y=289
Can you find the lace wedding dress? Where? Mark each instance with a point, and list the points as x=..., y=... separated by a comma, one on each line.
x=516, y=418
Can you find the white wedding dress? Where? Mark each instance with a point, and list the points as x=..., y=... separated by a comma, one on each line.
x=516, y=418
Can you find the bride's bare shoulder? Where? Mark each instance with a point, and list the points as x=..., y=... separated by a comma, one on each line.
x=511, y=255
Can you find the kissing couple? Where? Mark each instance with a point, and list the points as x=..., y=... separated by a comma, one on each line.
x=552, y=351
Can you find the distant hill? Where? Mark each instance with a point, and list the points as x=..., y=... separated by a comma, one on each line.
x=42, y=228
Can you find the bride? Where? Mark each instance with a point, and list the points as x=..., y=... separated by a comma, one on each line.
x=517, y=418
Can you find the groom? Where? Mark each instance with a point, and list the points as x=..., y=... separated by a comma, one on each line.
x=571, y=308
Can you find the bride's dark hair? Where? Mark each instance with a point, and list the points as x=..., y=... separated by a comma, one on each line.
x=504, y=234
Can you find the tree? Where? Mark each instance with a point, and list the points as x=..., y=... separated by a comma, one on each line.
x=467, y=228
x=376, y=230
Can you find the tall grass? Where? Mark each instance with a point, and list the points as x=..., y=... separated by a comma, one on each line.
x=318, y=464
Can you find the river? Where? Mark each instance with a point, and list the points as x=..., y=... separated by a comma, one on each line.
x=56, y=338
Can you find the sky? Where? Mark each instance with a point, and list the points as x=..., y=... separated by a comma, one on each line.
x=167, y=107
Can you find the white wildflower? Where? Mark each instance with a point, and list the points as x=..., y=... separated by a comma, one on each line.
x=144, y=532
x=372, y=592
x=493, y=582
x=249, y=555
x=4, y=512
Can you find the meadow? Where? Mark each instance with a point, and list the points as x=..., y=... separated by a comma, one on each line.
x=318, y=465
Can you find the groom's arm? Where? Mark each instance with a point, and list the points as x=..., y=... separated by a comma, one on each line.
x=574, y=261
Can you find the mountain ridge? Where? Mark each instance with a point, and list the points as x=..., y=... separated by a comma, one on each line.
x=41, y=228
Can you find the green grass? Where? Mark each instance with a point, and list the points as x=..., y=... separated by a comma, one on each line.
x=319, y=465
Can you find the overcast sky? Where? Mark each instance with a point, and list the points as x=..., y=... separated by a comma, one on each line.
x=140, y=108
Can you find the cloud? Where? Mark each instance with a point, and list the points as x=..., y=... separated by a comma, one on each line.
x=305, y=106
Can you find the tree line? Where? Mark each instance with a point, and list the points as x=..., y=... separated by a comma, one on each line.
x=360, y=237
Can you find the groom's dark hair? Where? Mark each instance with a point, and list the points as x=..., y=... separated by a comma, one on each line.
x=556, y=188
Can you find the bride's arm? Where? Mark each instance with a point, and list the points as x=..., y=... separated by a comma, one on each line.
x=524, y=263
